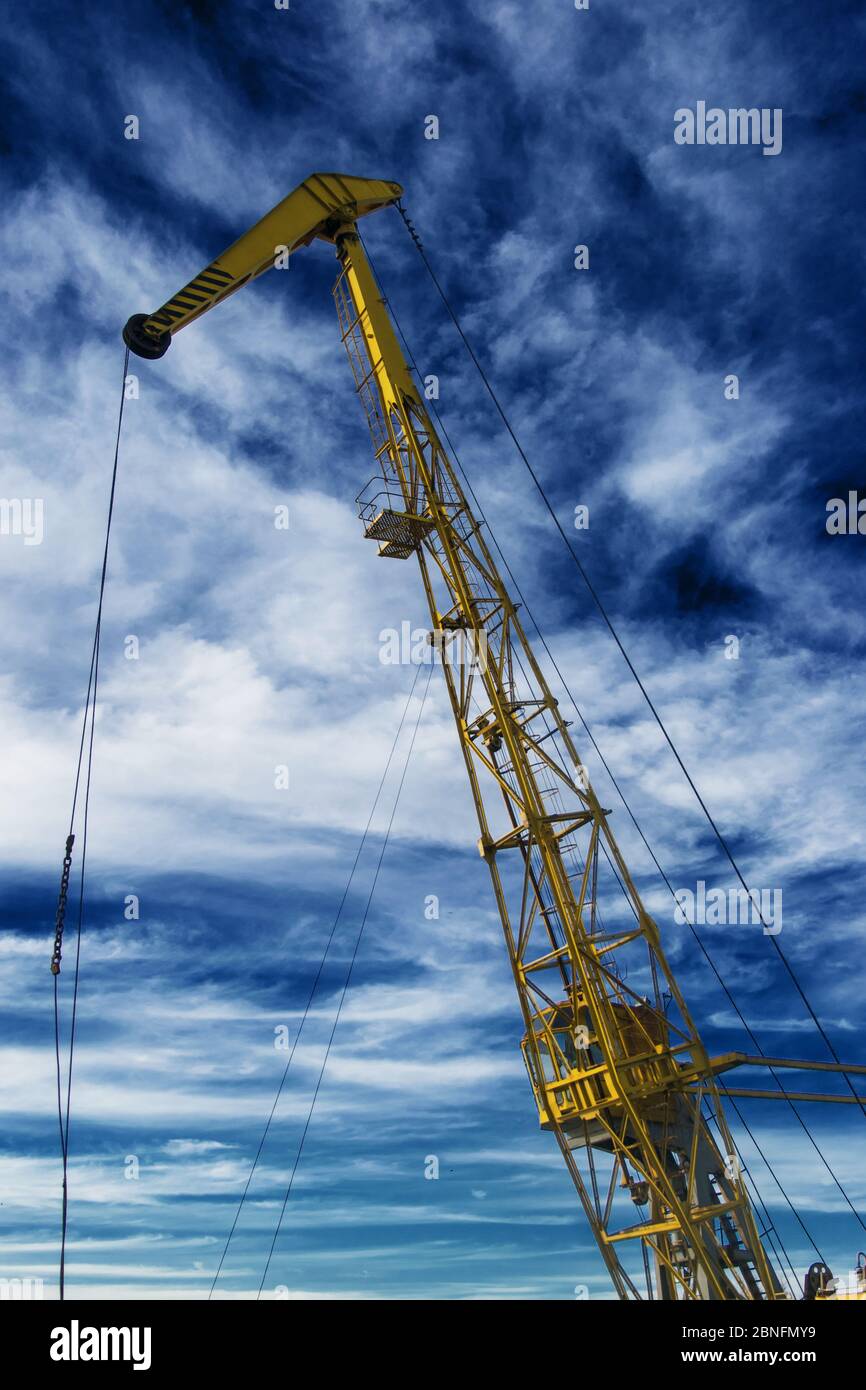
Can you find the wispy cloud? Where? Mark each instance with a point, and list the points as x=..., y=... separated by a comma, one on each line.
x=259, y=647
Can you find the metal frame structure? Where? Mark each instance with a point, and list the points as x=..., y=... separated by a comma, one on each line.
x=611, y=1067
x=617, y=1067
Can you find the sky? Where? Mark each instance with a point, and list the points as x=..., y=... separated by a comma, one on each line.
x=258, y=647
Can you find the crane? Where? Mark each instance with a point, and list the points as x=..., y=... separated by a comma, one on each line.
x=618, y=1071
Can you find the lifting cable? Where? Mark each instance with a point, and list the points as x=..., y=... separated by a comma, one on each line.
x=316, y=979
x=634, y=820
x=60, y=917
x=602, y=610
x=346, y=984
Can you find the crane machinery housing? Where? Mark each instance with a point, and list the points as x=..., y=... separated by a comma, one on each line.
x=618, y=1070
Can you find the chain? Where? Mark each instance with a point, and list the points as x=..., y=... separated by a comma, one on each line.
x=61, y=905
x=410, y=225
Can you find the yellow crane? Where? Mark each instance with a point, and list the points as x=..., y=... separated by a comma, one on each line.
x=619, y=1073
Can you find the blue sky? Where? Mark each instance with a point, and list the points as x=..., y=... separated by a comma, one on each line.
x=260, y=647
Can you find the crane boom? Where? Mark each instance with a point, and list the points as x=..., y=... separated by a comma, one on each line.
x=322, y=201
x=618, y=1070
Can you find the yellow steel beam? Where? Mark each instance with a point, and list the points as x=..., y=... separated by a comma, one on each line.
x=728, y=1060
x=315, y=208
x=782, y=1095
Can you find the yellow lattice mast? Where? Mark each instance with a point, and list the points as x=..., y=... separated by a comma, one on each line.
x=618, y=1070
x=613, y=1065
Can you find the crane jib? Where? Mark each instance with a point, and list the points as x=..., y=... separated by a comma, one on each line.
x=318, y=206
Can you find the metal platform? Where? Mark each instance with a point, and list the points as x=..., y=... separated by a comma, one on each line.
x=385, y=520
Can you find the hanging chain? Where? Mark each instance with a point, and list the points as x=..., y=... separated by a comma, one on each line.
x=61, y=905
x=410, y=225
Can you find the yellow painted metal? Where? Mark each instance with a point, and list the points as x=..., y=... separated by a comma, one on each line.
x=845, y=1290
x=729, y=1060
x=843, y=1295
x=750, y=1091
x=606, y=1061
x=618, y=1070
x=318, y=204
